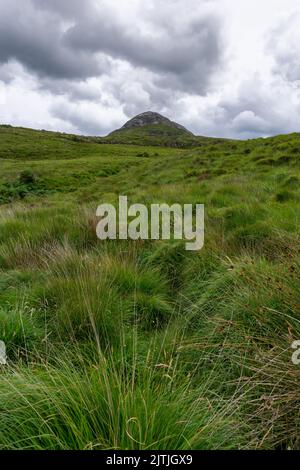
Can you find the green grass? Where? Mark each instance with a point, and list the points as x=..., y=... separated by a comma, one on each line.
x=160, y=135
x=143, y=345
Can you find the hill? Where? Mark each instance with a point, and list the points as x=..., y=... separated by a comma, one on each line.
x=141, y=344
x=152, y=128
x=150, y=118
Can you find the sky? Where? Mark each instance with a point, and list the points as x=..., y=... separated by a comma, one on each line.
x=226, y=68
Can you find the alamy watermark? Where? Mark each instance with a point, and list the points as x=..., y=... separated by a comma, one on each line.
x=296, y=354
x=2, y=353
x=161, y=222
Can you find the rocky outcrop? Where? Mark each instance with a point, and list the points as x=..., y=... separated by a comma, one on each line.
x=150, y=118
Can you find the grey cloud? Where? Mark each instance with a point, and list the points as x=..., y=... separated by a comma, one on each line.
x=65, y=8
x=35, y=39
x=85, y=122
x=183, y=58
x=81, y=123
x=66, y=43
x=161, y=56
x=142, y=93
x=259, y=109
x=283, y=44
x=251, y=97
x=249, y=122
x=6, y=73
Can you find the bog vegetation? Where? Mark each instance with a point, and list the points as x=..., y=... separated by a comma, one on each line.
x=141, y=344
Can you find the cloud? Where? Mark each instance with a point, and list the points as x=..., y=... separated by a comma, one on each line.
x=248, y=121
x=128, y=56
x=184, y=54
x=65, y=8
x=36, y=39
x=94, y=119
x=87, y=66
x=284, y=46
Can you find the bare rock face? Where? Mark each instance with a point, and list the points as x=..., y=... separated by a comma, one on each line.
x=150, y=118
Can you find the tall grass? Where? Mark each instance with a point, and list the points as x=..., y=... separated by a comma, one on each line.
x=141, y=345
x=95, y=401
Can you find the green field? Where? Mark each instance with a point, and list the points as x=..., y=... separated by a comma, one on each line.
x=143, y=345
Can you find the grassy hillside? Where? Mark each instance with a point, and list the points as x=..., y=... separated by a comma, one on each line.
x=156, y=134
x=135, y=345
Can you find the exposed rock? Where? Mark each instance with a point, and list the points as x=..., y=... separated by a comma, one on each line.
x=150, y=118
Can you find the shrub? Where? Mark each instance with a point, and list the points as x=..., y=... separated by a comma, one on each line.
x=143, y=154
x=27, y=177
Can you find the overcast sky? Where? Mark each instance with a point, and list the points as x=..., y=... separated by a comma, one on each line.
x=219, y=67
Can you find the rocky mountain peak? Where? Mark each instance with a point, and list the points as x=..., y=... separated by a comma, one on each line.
x=150, y=118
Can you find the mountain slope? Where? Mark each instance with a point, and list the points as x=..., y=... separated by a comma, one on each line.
x=150, y=118
x=153, y=129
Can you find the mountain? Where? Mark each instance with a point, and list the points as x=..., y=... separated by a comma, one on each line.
x=145, y=129
x=151, y=128
x=150, y=118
